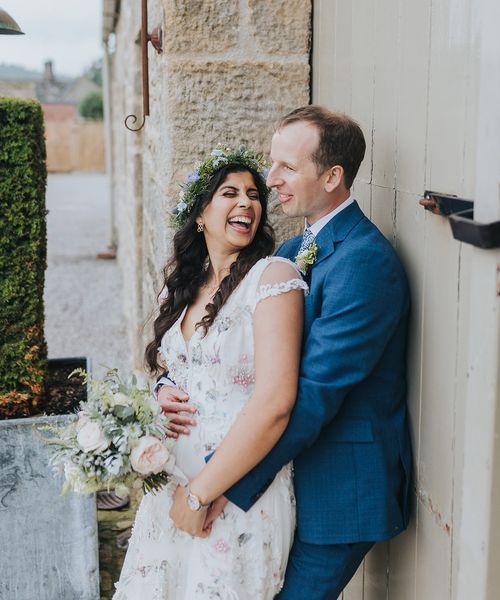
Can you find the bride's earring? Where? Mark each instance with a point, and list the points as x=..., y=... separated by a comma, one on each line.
x=200, y=228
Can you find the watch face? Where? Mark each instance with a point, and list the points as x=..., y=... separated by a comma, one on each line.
x=193, y=502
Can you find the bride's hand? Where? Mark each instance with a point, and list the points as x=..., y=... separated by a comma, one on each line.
x=173, y=401
x=190, y=521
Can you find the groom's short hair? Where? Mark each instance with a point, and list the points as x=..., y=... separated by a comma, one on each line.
x=341, y=141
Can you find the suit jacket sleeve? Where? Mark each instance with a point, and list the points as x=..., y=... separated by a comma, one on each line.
x=361, y=305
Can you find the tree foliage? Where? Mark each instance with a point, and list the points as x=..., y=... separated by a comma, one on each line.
x=91, y=106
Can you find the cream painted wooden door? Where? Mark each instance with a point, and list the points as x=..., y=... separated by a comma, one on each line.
x=409, y=73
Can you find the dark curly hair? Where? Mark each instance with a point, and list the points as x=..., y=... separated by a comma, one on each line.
x=186, y=271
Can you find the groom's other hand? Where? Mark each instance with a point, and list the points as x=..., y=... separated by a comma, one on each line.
x=174, y=401
x=215, y=510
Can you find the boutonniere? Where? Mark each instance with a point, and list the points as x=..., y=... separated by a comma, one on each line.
x=306, y=259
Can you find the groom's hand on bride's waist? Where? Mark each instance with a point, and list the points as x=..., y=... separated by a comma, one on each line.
x=174, y=401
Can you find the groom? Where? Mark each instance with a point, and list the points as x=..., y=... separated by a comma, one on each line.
x=348, y=433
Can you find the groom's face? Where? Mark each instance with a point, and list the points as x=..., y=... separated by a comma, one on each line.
x=301, y=190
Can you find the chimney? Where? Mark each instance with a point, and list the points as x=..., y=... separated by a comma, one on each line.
x=48, y=74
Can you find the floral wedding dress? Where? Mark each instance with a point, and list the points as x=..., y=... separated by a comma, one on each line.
x=245, y=556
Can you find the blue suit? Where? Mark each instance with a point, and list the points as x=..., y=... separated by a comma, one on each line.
x=348, y=432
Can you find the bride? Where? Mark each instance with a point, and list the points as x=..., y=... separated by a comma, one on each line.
x=230, y=331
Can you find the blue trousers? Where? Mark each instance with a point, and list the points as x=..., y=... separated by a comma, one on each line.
x=321, y=572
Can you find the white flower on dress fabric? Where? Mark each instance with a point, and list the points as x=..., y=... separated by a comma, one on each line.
x=91, y=437
x=221, y=546
x=149, y=456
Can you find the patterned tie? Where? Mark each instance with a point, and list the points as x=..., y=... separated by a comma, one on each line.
x=307, y=239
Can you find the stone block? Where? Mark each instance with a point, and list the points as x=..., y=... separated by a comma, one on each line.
x=281, y=27
x=231, y=102
x=49, y=541
x=209, y=26
x=229, y=70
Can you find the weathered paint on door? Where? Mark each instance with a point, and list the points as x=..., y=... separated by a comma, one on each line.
x=409, y=73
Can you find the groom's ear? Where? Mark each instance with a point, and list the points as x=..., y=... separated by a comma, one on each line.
x=334, y=177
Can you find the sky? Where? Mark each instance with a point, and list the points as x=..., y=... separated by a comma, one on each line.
x=68, y=32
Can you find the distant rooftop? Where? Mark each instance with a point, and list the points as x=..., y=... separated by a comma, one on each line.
x=48, y=88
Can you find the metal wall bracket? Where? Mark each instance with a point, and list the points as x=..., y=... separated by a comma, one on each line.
x=461, y=217
x=156, y=39
x=444, y=204
x=482, y=235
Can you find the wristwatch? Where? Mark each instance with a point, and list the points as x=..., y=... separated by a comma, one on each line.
x=193, y=502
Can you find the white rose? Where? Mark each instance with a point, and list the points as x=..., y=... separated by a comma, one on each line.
x=82, y=420
x=149, y=456
x=91, y=437
x=121, y=399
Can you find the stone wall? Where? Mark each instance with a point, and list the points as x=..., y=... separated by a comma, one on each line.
x=228, y=71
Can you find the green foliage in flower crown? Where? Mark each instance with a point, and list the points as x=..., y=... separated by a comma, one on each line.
x=197, y=182
x=23, y=176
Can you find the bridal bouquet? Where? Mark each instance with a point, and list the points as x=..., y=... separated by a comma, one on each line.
x=117, y=441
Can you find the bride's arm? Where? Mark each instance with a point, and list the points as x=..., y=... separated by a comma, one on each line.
x=277, y=339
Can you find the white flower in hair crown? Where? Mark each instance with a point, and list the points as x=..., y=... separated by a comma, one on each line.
x=198, y=181
x=306, y=259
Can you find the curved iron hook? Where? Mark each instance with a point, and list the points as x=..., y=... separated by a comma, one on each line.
x=134, y=119
x=156, y=39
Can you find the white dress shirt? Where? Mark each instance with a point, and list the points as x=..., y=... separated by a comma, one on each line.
x=320, y=223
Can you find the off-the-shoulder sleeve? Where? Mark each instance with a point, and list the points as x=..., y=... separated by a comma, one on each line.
x=280, y=276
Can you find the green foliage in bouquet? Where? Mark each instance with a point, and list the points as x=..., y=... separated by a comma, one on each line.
x=23, y=242
x=118, y=440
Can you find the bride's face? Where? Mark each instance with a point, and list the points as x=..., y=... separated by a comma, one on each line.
x=231, y=218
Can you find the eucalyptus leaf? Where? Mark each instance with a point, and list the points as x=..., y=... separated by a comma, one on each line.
x=125, y=413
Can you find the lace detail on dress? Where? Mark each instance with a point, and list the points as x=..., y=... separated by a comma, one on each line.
x=275, y=289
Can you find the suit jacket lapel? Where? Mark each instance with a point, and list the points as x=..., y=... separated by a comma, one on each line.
x=290, y=248
x=336, y=230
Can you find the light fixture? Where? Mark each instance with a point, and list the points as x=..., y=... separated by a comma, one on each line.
x=7, y=24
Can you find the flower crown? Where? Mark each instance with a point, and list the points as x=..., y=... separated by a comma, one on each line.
x=197, y=181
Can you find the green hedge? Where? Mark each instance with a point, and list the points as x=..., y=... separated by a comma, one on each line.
x=23, y=243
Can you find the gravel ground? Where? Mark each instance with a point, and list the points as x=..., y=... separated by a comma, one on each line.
x=83, y=294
